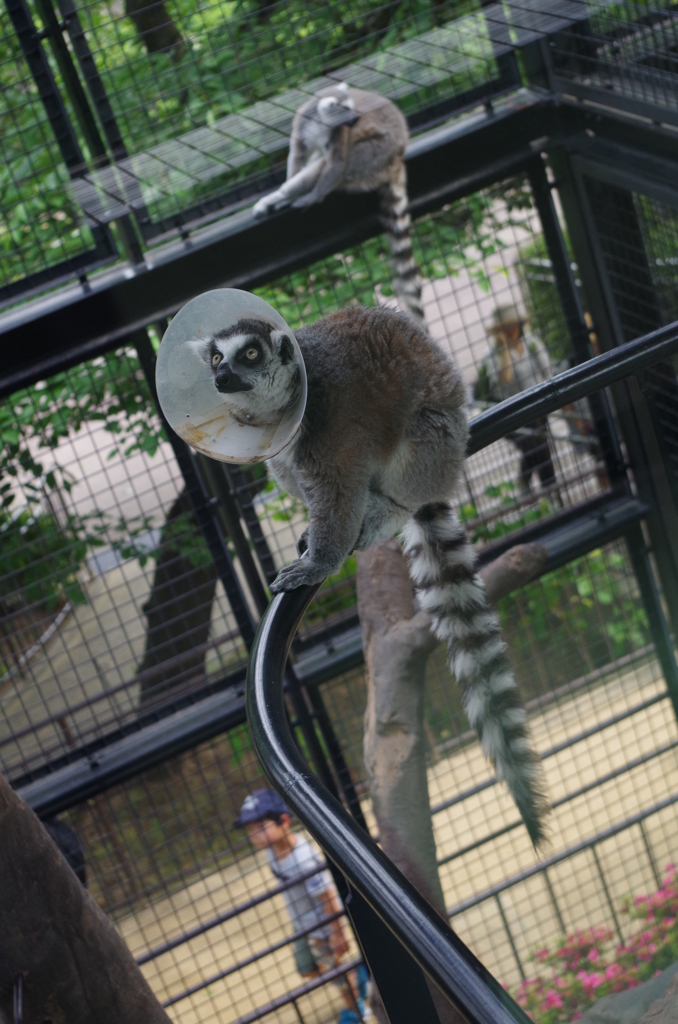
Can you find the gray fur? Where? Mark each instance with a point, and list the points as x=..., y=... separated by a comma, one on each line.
x=352, y=140
x=380, y=450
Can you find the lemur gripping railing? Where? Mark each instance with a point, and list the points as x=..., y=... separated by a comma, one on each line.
x=397, y=904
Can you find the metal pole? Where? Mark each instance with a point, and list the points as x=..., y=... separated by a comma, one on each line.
x=610, y=904
x=205, y=509
x=574, y=317
x=615, y=318
x=240, y=493
x=509, y=936
x=85, y=118
x=659, y=629
x=97, y=92
x=504, y=52
x=227, y=509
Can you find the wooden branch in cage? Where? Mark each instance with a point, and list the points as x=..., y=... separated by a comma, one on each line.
x=397, y=642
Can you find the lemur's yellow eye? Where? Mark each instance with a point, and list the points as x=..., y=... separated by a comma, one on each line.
x=252, y=353
x=216, y=359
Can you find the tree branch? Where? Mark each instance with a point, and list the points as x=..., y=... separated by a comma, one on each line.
x=75, y=966
x=397, y=642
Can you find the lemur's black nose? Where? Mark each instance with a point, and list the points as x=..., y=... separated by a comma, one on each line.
x=228, y=382
x=221, y=378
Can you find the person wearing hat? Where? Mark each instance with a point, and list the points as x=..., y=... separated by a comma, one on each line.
x=518, y=361
x=311, y=901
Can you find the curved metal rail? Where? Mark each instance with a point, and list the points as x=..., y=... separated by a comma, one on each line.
x=432, y=943
x=427, y=938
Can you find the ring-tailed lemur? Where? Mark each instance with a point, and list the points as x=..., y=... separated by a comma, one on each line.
x=253, y=362
x=380, y=450
x=351, y=140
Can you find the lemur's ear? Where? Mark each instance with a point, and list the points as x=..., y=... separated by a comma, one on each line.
x=283, y=346
x=201, y=347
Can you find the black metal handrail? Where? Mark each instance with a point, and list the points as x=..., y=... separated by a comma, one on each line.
x=423, y=933
x=428, y=939
x=571, y=385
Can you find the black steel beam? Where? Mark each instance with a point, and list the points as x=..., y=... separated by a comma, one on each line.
x=77, y=323
x=573, y=312
x=644, y=153
x=206, y=512
x=608, y=98
x=127, y=757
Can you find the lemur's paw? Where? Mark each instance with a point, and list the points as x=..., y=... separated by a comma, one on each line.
x=262, y=208
x=301, y=573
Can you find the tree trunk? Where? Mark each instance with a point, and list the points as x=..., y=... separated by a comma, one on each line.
x=179, y=609
x=155, y=27
x=74, y=966
x=396, y=644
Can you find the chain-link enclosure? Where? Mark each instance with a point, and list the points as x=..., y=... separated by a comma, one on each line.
x=133, y=573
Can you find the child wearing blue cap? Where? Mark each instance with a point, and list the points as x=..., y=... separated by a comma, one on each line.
x=312, y=901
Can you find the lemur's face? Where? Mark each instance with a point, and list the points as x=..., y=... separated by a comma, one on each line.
x=337, y=108
x=254, y=362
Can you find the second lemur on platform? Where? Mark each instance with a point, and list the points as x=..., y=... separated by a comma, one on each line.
x=380, y=450
x=351, y=140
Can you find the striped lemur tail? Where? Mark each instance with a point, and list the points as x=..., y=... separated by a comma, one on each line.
x=441, y=565
x=395, y=218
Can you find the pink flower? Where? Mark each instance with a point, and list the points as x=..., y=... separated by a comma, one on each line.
x=576, y=1016
x=593, y=955
x=590, y=981
x=613, y=971
x=541, y=954
x=553, y=998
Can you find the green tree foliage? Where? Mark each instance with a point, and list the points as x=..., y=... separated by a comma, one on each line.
x=40, y=553
x=463, y=235
x=198, y=64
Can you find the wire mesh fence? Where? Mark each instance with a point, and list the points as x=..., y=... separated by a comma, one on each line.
x=203, y=914
x=41, y=228
x=198, y=906
x=112, y=612
x=172, y=113
x=99, y=533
